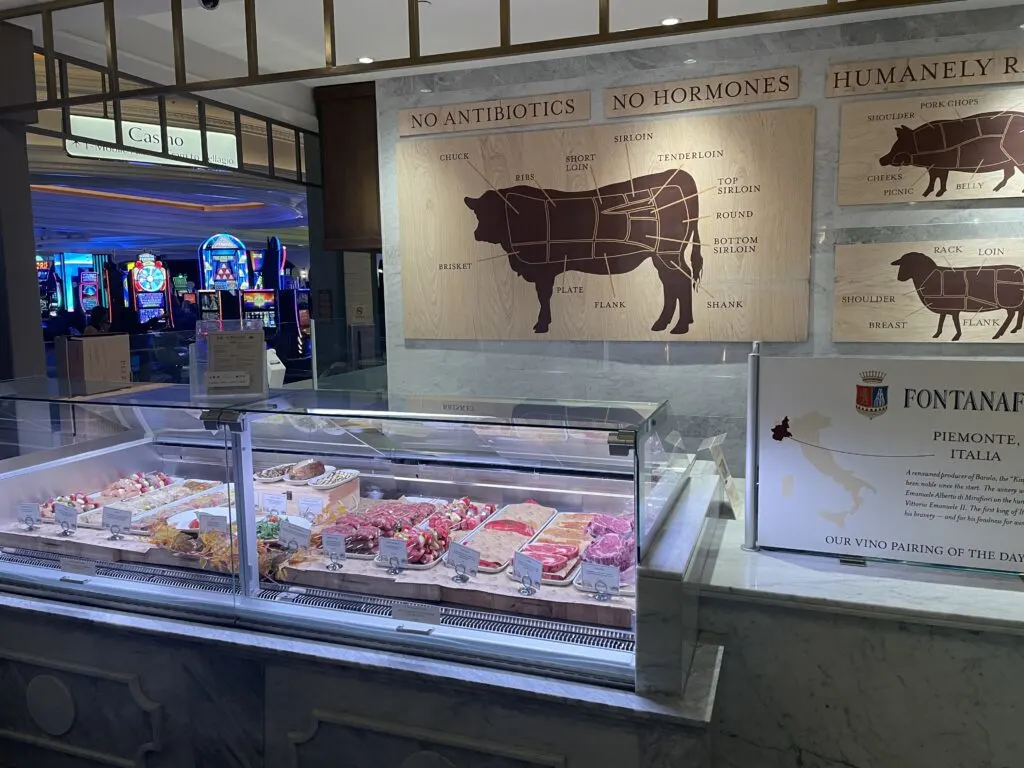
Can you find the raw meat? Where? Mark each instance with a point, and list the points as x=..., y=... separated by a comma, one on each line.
x=391, y=516
x=551, y=561
x=602, y=524
x=513, y=526
x=499, y=538
x=560, y=550
x=612, y=549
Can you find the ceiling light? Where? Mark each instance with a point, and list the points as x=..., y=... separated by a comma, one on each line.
x=426, y=90
x=365, y=60
x=671, y=21
x=690, y=61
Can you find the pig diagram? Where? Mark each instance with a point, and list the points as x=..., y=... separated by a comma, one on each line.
x=987, y=142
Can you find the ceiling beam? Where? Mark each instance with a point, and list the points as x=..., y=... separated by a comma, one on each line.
x=825, y=9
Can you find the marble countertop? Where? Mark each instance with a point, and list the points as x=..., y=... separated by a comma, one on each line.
x=694, y=709
x=918, y=594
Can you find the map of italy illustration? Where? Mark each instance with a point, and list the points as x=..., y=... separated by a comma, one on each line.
x=805, y=431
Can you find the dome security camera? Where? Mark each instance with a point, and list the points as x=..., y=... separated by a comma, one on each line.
x=209, y=5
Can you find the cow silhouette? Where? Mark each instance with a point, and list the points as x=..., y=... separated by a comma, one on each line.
x=610, y=230
x=982, y=143
x=952, y=290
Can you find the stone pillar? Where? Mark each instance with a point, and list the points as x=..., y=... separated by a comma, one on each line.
x=326, y=279
x=21, y=333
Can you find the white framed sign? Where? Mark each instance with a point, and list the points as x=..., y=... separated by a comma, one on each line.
x=910, y=459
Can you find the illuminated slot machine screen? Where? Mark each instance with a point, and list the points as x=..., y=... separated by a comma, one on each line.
x=224, y=264
x=209, y=305
x=151, y=288
x=151, y=306
x=260, y=305
x=88, y=290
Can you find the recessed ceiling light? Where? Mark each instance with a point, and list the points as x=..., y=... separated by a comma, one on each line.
x=426, y=90
x=671, y=21
x=365, y=60
x=690, y=61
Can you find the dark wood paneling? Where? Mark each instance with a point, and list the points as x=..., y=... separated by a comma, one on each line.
x=351, y=185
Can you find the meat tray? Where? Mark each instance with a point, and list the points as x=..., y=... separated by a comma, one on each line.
x=573, y=573
x=498, y=516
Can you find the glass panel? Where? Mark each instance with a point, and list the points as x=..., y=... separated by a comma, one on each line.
x=183, y=115
x=284, y=152
x=221, y=147
x=93, y=489
x=254, y=144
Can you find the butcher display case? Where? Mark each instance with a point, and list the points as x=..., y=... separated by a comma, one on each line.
x=490, y=532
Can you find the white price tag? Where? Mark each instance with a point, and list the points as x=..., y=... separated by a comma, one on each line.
x=65, y=516
x=310, y=507
x=599, y=578
x=293, y=536
x=81, y=567
x=274, y=503
x=418, y=612
x=527, y=570
x=116, y=517
x=334, y=545
x=463, y=559
x=212, y=523
x=393, y=551
x=227, y=379
x=28, y=513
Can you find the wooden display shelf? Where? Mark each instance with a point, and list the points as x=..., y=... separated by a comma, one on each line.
x=491, y=592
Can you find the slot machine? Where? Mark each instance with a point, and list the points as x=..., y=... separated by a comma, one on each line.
x=260, y=305
x=88, y=290
x=149, y=288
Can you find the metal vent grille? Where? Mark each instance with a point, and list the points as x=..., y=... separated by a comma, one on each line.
x=463, y=618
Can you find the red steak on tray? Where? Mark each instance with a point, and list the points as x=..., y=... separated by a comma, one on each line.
x=603, y=524
x=612, y=549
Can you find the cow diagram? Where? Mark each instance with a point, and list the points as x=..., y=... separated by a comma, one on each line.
x=984, y=143
x=608, y=230
x=952, y=290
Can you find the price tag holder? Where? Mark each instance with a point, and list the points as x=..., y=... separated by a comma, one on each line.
x=527, y=572
x=334, y=546
x=66, y=518
x=274, y=504
x=416, y=612
x=79, y=567
x=310, y=507
x=293, y=536
x=394, y=555
x=603, y=580
x=28, y=515
x=464, y=560
x=118, y=520
x=212, y=523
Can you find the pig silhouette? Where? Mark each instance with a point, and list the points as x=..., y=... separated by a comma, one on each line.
x=982, y=143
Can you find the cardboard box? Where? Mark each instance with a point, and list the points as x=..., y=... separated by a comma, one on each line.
x=88, y=365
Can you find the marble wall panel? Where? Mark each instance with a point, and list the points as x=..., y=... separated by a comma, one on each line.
x=815, y=689
x=75, y=696
x=702, y=380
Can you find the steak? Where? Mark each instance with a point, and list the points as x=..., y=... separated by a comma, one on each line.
x=611, y=549
x=603, y=524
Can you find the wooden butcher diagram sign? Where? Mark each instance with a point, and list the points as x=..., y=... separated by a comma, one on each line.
x=962, y=290
x=959, y=146
x=682, y=229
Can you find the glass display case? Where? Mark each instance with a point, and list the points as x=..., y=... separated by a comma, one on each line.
x=484, y=531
